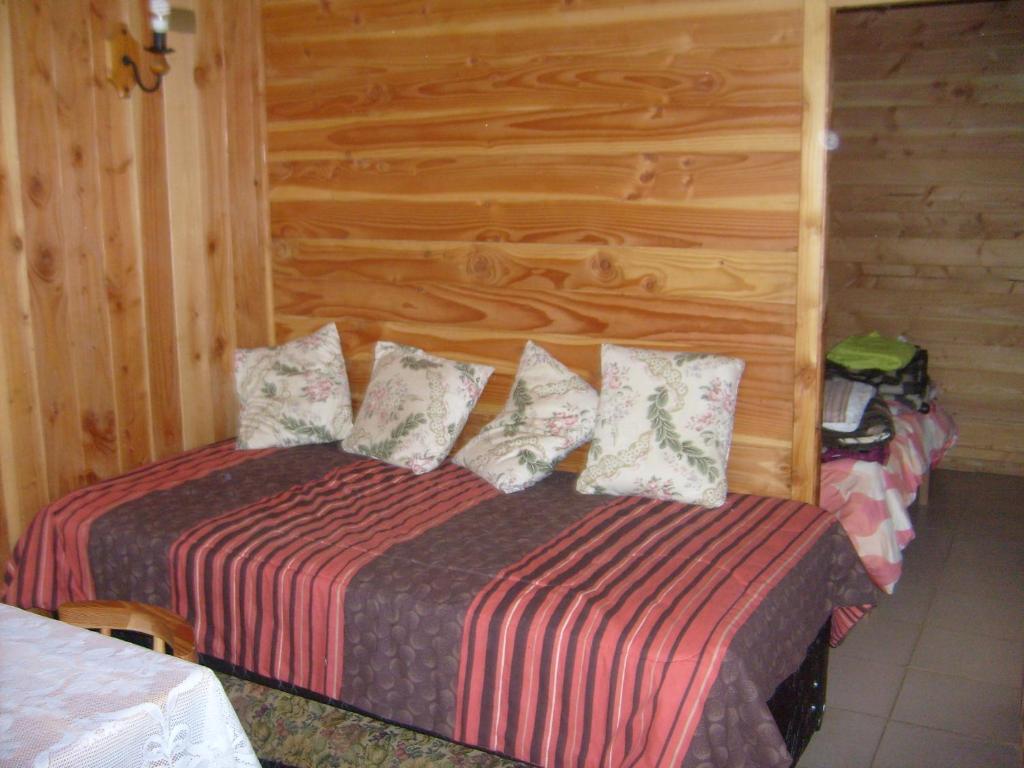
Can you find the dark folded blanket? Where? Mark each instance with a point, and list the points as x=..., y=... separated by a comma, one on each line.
x=875, y=430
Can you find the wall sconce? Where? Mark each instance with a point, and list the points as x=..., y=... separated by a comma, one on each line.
x=126, y=56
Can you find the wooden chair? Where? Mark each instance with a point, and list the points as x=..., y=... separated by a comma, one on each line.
x=164, y=627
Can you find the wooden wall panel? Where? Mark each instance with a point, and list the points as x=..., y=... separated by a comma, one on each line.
x=926, y=193
x=81, y=220
x=247, y=176
x=467, y=176
x=41, y=190
x=210, y=77
x=189, y=234
x=23, y=470
x=126, y=306
x=123, y=256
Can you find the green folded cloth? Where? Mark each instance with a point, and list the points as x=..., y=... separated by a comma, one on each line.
x=872, y=351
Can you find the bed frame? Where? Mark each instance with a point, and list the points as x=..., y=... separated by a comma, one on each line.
x=798, y=703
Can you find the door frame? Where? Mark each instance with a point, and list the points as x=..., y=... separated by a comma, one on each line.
x=810, y=291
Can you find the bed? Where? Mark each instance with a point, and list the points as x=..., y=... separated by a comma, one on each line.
x=550, y=626
x=872, y=499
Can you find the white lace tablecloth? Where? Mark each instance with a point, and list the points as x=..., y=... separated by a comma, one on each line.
x=69, y=697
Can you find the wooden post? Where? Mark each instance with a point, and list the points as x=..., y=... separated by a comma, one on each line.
x=810, y=297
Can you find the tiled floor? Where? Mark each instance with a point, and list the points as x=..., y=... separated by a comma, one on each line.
x=932, y=677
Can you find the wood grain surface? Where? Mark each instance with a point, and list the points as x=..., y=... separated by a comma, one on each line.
x=23, y=469
x=122, y=267
x=926, y=237
x=465, y=177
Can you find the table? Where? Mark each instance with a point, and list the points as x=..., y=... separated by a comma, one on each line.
x=70, y=697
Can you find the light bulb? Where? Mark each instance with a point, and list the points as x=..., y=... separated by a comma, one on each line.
x=160, y=9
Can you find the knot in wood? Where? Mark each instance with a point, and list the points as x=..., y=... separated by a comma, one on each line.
x=100, y=429
x=44, y=263
x=480, y=265
x=603, y=265
x=37, y=191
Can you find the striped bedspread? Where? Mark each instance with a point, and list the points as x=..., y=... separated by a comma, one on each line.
x=554, y=627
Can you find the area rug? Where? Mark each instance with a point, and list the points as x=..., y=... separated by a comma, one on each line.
x=288, y=730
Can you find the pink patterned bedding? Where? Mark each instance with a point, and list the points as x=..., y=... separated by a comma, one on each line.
x=871, y=499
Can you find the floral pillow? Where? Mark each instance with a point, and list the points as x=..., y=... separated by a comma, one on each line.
x=549, y=413
x=415, y=406
x=664, y=425
x=293, y=394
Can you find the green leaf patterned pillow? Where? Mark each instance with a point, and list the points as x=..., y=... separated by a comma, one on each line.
x=549, y=413
x=293, y=394
x=416, y=405
x=664, y=425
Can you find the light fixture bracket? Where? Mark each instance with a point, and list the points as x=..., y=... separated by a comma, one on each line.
x=125, y=59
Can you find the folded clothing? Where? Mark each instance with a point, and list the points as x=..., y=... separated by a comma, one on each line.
x=875, y=428
x=876, y=453
x=872, y=351
x=844, y=405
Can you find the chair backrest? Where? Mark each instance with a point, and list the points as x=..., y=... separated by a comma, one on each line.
x=166, y=628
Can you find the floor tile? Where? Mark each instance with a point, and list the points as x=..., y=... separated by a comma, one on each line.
x=929, y=544
x=986, y=491
x=878, y=637
x=910, y=600
x=979, y=502
x=863, y=686
x=931, y=518
x=999, y=526
x=976, y=581
x=922, y=565
x=846, y=740
x=969, y=655
x=968, y=707
x=913, y=746
x=984, y=507
x=982, y=615
x=981, y=551
x=963, y=592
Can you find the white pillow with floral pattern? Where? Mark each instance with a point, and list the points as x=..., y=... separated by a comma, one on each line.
x=664, y=425
x=550, y=412
x=293, y=394
x=416, y=405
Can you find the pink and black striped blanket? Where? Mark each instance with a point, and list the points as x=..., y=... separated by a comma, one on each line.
x=554, y=627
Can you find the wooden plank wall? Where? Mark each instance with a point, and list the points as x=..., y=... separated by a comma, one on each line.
x=133, y=245
x=925, y=204
x=465, y=176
